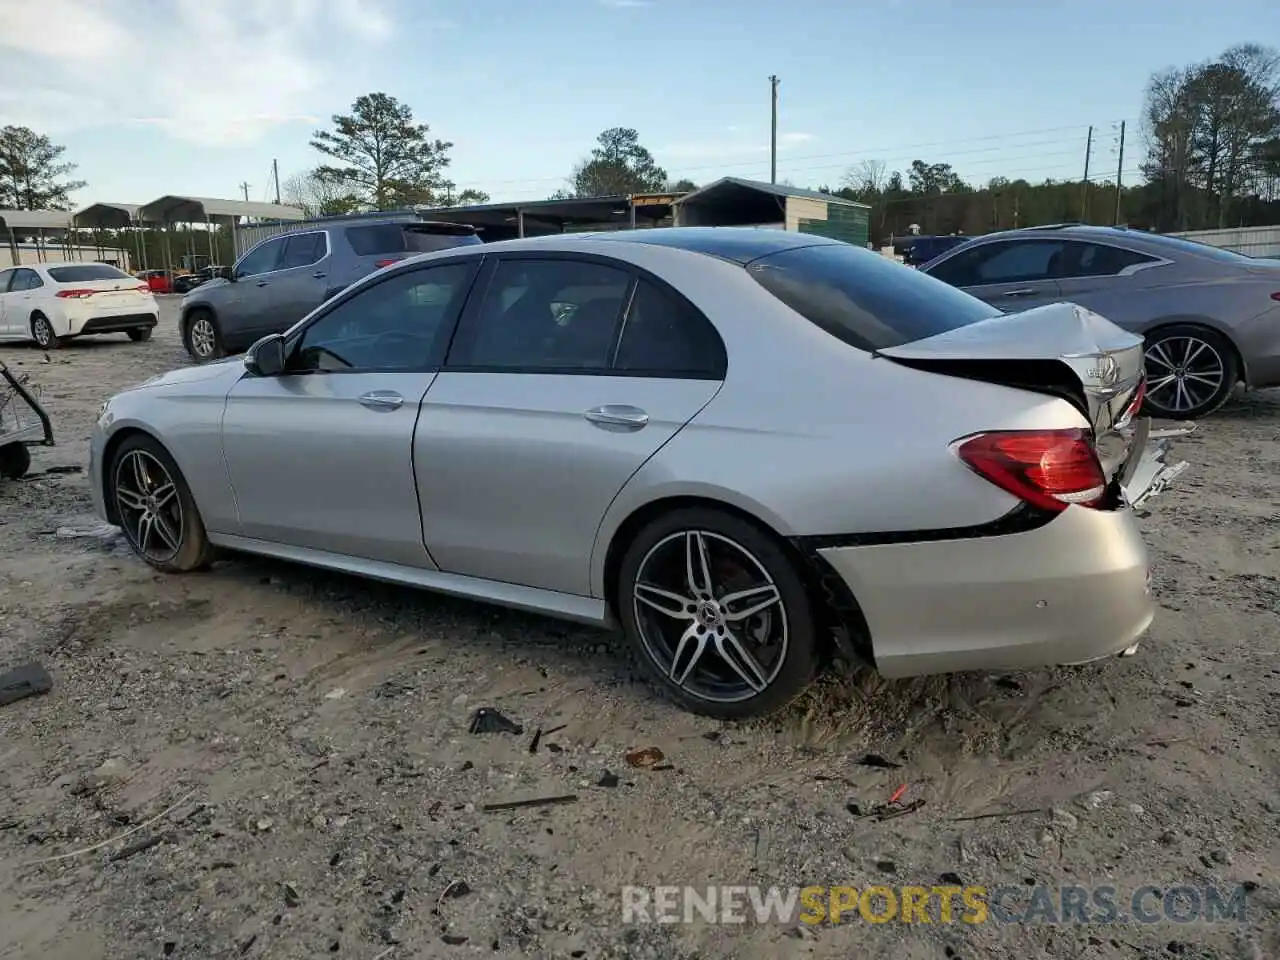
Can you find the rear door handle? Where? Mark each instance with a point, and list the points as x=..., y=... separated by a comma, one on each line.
x=617, y=417
x=262, y=283
x=381, y=400
x=319, y=275
x=1024, y=292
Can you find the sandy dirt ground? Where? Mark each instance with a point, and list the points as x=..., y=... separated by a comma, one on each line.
x=294, y=746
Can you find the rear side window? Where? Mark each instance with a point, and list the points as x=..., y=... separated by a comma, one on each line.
x=665, y=337
x=82, y=272
x=379, y=239
x=864, y=299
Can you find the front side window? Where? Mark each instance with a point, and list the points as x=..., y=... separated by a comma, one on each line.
x=552, y=315
x=401, y=323
x=302, y=250
x=261, y=259
x=1008, y=261
x=864, y=299
x=27, y=280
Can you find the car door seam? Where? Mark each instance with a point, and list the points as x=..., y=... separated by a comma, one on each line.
x=413, y=468
x=595, y=544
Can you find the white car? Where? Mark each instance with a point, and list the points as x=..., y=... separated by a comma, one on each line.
x=52, y=302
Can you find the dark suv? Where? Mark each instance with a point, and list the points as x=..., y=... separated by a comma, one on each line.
x=917, y=251
x=283, y=278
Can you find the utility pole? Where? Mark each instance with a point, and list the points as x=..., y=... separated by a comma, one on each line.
x=773, y=132
x=244, y=188
x=1084, y=184
x=275, y=176
x=1119, y=176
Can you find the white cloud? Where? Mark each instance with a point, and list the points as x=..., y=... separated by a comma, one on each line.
x=205, y=71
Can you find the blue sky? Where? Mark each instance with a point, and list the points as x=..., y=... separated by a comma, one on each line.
x=195, y=96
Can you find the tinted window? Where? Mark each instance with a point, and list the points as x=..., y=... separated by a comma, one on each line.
x=665, y=336
x=866, y=300
x=302, y=250
x=5, y=277
x=261, y=259
x=401, y=323
x=1100, y=260
x=1009, y=261
x=546, y=315
x=27, y=280
x=81, y=272
x=380, y=239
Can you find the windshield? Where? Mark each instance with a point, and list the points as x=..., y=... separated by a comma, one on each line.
x=864, y=299
x=83, y=272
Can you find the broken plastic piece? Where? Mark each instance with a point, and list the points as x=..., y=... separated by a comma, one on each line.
x=488, y=720
x=22, y=682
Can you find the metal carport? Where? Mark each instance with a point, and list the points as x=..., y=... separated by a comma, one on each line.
x=33, y=222
x=111, y=216
x=504, y=221
x=212, y=212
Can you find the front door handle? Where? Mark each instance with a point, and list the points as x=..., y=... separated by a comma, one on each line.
x=617, y=417
x=381, y=400
x=319, y=274
x=1022, y=292
x=262, y=283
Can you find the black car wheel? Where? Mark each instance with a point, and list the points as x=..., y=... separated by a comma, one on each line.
x=140, y=334
x=717, y=614
x=42, y=332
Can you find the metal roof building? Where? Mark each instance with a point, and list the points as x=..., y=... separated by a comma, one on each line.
x=505, y=221
x=735, y=202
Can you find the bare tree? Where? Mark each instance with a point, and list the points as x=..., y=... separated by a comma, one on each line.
x=318, y=194
x=867, y=177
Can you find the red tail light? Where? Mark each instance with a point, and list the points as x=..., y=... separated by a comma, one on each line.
x=387, y=262
x=143, y=288
x=1050, y=469
x=75, y=294
x=1276, y=295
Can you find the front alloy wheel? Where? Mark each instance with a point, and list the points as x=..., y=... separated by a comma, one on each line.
x=155, y=508
x=203, y=341
x=718, y=614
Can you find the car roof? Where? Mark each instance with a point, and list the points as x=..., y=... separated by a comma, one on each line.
x=739, y=245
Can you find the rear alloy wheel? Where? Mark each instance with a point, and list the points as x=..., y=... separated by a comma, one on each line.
x=42, y=332
x=203, y=341
x=717, y=614
x=155, y=508
x=1191, y=372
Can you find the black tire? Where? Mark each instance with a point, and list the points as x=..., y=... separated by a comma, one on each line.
x=42, y=332
x=200, y=347
x=193, y=550
x=15, y=461
x=688, y=639
x=1187, y=395
x=140, y=335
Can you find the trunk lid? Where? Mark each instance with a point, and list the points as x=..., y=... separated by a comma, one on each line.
x=113, y=292
x=1059, y=349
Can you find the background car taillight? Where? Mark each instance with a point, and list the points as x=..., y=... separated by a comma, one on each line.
x=78, y=294
x=1050, y=469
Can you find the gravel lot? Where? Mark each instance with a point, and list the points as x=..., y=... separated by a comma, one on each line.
x=309, y=732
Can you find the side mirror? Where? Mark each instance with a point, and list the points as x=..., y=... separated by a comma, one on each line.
x=266, y=357
x=226, y=273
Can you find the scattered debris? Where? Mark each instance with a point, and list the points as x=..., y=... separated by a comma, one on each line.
x=94, y=531
x=875, y=760
x=337, y=693
x=950, y=878
x=453, y=940
x=886, y=866
x=29, y=680
x=1063, y=818
x=536, y=802
x=291, y=897
x=110, y=840
x=137, y=847
x=1025, y=812
x=645, y=757
x=897, y=794
x=608, y=779
x=488, y=720
x=885, y=811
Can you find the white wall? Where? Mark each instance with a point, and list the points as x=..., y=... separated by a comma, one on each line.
x=52, y=252
x=1251, y=241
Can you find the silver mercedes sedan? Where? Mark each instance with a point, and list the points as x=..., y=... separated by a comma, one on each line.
x=749, y=449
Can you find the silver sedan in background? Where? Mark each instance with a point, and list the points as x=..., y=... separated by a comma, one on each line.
x=748, y=448
x=1210, y=317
